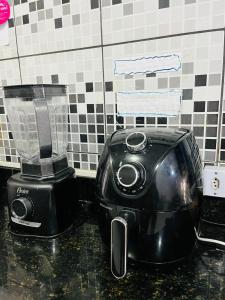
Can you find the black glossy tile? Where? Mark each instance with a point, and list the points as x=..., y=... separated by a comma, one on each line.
x=200, y=80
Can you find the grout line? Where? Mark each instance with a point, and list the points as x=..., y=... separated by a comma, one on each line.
x=220, y=115
x=80, y=152
x=54, y=52
x=103, y=71
x=17, y=48
x=115, y=44
x=164, y=37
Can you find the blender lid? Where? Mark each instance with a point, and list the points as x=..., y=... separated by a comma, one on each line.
x=33, y=91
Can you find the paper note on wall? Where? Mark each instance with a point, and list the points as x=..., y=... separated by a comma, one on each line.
x=151, y=64
x=4, y=34
x=157, y=103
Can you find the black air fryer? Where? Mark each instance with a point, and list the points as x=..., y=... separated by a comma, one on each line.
x=149, y=187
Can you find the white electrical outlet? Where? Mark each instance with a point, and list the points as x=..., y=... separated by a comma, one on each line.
x=214, y=181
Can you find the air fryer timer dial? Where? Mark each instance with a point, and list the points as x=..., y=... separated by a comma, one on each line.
x=130, y=177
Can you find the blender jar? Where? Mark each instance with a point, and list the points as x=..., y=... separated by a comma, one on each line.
x=38, y=116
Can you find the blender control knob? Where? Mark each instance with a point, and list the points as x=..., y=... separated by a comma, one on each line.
x=128, y=175
x=21, y=208
x=136, y=141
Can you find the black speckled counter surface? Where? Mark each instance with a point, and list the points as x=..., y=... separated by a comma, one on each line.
x=76, y=266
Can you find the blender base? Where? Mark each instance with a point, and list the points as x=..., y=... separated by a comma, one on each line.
x=39, y=208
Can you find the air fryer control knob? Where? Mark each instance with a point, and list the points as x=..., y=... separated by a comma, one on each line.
x=128, y=175
x=136, y=141
x=21, y=208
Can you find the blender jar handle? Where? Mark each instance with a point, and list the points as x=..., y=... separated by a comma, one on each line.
x=43, y=127
x=119, y=247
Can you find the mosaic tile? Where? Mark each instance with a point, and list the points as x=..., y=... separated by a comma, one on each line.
x=78, y=22
x=200, y=98
x=131, y=20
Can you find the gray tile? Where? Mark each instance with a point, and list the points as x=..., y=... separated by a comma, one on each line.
x=84, y=166
x=187, y=94
x=76, y=156
x=18, y=21
x=213, y=106
x=75, y=138
x=211, y=132
x=186, y=119
x=92, y=147
x=98, y=86
x=49, y=13
x=74, y=128
x=190, y=1
x=41, y=15
x=106, y=3
x=198, y=131
x=129, y=120
x=84, y=148
x=84, y=157
x=81, y=98
x=210, y=155
x=174, y=82
x=139, y=84
x=92, y=158
x=198, y=119
x=100, y=148
x=32, y=6
x=188, y=68
x=128, y=76
x=162, y=83
x=214, y=79
x=212, y=119
x=92, y=138
x=66, y=9
x=91, y=118
x=76, y=147
x=83, y=128
x=173, y=120
x=72, y=88
x=34, y=28
x=110, y=129
x=39, y=78
x=40, y=4
x=109, y=108
x=74, y=118
x=164, y=4
x=128, y=9
x=199, y=143
x=76, y=19
x=80, y=77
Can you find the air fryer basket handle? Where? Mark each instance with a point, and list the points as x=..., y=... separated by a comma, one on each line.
x=43, y=126
x=119, y=247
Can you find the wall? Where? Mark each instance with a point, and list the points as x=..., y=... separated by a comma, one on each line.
x=75, y=42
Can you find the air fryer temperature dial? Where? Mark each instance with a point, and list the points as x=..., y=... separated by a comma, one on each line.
x=128, y=175
x=130, y=178
x=136, y=141
x=21, y=208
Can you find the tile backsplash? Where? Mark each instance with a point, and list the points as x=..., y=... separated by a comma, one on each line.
x=76, y=43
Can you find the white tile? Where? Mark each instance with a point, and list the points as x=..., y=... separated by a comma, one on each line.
x=149, y=21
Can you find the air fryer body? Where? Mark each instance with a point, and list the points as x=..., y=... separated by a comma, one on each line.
x=162, y=204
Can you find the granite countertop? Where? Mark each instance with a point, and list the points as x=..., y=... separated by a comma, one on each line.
x=76, y=266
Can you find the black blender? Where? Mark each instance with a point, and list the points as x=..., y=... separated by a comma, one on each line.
x=40, y=199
